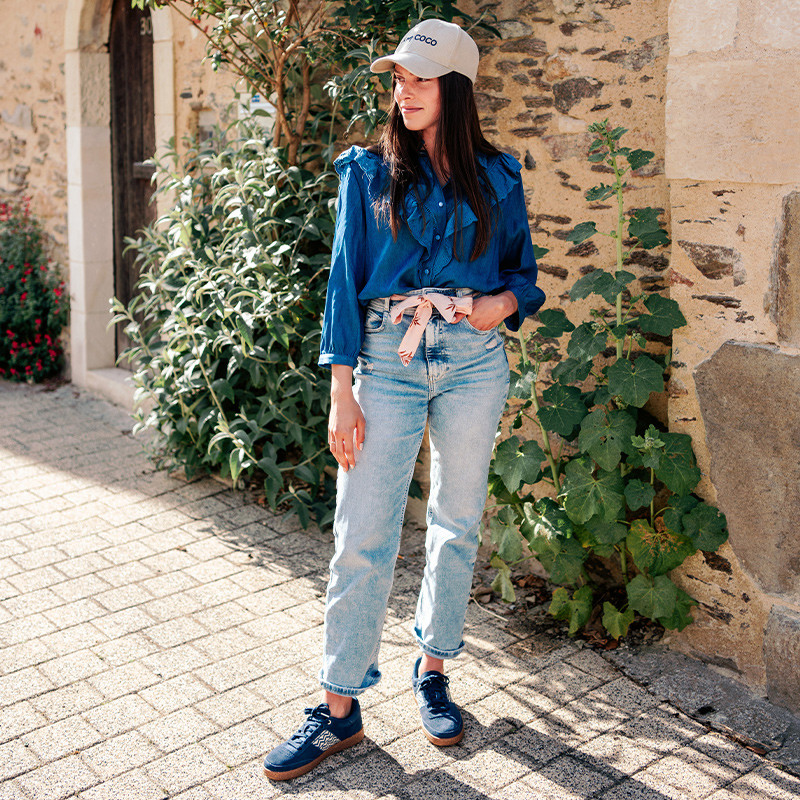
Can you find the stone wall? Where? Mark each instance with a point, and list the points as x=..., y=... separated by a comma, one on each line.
x=32, y=133
x=560, y=65
x=733, y=164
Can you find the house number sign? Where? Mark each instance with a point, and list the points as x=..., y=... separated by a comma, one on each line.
x=146, y=26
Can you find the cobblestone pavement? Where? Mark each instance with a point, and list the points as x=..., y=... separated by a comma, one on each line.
x=159, y=637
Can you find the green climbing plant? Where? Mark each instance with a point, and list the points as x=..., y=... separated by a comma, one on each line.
x=619, y=514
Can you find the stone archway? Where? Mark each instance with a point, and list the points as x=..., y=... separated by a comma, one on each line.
x=89, y=191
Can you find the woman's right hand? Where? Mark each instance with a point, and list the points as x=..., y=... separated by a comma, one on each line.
x=346, y=423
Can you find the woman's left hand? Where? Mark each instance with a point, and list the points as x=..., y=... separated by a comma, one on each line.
x=490, y=310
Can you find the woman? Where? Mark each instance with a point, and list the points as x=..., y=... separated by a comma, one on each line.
x=432, y=252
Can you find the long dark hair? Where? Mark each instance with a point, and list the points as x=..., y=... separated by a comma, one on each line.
x=458, y=140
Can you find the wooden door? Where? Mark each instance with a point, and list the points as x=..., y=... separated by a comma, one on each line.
x=133, y=138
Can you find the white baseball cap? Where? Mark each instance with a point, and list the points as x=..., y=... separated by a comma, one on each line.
x=432, y=49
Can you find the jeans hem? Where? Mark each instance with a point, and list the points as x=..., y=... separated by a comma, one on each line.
x=346, y=691
x=436, y=653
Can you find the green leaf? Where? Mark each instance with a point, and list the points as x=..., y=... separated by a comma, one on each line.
x=518, y=464
x=605, y=532
x=665, y=315
x=222, y=388
x=652, y=597
x=584, y=495
x=540, y=252
x=604, y=434
x=706, y=527
x=598, y=281
x=502, y=584
x=505, y=535
x=644, y=225
x=582, y=232
x=571, y=371
x=523, y=382
x=679, y=507
x=586, y=342
x=680, y=616
x=566, y=409
x=633, y=381
x=235, y=463
x=657, y=552
x=638, y=494
x=639, y=158
x=546, y=519
x=678, y=469
x=554, y=323
x=577, y=609
x=600, y=192
x=645, y=451
x=562, y=558
x=616, y=622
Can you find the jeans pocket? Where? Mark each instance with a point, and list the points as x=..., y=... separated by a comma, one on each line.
x=470, y=327
x=375, y=321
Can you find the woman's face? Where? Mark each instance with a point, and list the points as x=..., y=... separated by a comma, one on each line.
x=418, y=100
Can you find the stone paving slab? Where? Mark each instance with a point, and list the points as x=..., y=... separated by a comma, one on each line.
x=157, y=637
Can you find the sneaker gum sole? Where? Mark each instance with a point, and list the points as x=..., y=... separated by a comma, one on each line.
x=296, y=773
x=445, y=742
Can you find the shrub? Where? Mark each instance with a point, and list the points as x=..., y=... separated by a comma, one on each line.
x=624, y=514
x=33, y=303
x=225, y=324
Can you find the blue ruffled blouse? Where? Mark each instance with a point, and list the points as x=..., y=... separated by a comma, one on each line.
x=367, y=263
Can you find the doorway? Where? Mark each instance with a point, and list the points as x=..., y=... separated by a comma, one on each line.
x=133, y=140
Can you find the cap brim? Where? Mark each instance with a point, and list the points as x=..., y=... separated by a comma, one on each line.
x=418, y=65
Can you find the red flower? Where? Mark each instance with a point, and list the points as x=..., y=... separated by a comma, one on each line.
x=52, y=353
x=58, y=291
x=38, y=323
x=23, y=280
x=10, y=333
x=22, y=297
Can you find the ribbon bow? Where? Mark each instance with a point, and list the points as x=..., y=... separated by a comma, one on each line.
x=447, y=306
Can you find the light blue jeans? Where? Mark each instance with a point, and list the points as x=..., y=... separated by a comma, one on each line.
x=457, y=382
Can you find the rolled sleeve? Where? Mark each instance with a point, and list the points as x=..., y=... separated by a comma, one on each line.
x=343, y=322
x=518, y=269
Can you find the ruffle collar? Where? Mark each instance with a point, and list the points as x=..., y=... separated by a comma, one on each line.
x=502, y=174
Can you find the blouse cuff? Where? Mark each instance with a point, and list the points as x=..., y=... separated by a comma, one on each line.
x=328, y=359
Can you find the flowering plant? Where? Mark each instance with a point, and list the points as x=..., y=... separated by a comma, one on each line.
x=33, y=301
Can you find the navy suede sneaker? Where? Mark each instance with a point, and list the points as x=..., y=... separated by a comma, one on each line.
x=441, y=719
x=320, y=736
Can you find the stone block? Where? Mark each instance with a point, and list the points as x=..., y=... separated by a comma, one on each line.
x=781, y=656
x=725, y=121
x=744, y=391
x=702, y=26
x=776, y=23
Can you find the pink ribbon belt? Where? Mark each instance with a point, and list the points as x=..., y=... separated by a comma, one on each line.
x=447, y=306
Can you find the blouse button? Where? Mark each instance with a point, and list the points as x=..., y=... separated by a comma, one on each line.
x=440, y=204
x=438, y=237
